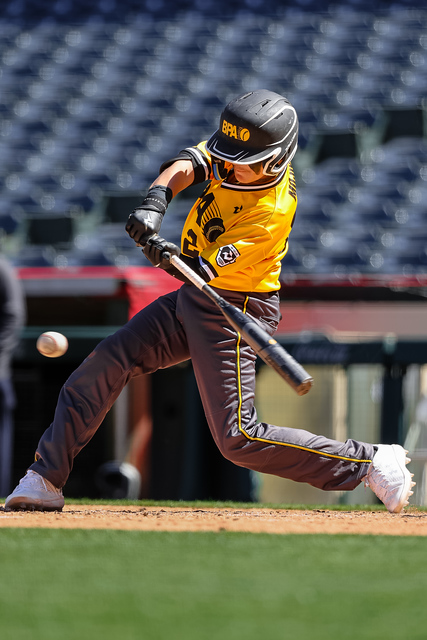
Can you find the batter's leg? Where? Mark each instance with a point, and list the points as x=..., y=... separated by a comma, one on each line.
x=153, y=339
x=225, y=371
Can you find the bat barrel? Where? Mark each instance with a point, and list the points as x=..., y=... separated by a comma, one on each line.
x=261, y=342
x=269, y=350
x=304, y=387
x=286, y=366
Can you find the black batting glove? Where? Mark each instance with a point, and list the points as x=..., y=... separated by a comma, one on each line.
x=146, y=219
x=159, y=251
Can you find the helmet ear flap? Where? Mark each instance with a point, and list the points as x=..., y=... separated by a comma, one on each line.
x=279, y=166
x=280, y=163
x=273, y=168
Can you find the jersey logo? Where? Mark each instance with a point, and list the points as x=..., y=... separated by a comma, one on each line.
x=237, y=209
x=227, y=255
x=239, y=133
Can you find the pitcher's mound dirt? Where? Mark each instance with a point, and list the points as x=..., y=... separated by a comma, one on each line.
x=411, y=522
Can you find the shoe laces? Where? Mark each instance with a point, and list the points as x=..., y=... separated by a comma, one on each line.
x=34, y=479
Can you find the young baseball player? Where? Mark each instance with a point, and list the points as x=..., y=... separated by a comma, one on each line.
x=235, y=237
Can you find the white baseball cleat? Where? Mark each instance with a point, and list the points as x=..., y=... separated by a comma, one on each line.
x=389, y=478
x=35, y=493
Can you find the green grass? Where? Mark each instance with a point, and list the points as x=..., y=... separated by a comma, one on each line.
x=77, y=584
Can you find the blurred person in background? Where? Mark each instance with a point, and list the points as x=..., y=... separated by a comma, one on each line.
x=12, y=318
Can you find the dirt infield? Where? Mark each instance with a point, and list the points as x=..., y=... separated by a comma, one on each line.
x=411, y=522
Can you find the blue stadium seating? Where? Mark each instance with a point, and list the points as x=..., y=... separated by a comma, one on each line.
x=93, y=97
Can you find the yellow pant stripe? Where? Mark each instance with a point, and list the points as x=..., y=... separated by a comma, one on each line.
x=283, y=444
x=239, y=377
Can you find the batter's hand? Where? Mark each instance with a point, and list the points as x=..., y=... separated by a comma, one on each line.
x=146, y=219
x=159, y=251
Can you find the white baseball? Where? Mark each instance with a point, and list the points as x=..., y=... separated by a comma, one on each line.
x=52, y=344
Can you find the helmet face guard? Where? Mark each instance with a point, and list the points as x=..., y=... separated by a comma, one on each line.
x=260, y=126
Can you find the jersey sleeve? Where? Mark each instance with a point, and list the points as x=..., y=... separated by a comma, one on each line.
x=200, y=160
x=205, y=166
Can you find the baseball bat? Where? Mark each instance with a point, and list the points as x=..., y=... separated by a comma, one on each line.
x=266, y=347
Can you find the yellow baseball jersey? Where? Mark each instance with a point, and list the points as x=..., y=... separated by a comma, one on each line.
x=240, y=232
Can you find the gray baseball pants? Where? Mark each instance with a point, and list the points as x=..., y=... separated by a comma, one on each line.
x=181, y=325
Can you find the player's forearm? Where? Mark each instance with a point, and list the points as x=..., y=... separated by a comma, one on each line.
x=145, y=221
x=177, y=176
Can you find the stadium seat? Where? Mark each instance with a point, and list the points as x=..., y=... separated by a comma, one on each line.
x=33, y=256
x=94, y=97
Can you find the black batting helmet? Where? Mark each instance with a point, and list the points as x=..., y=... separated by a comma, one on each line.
x=260, y=126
